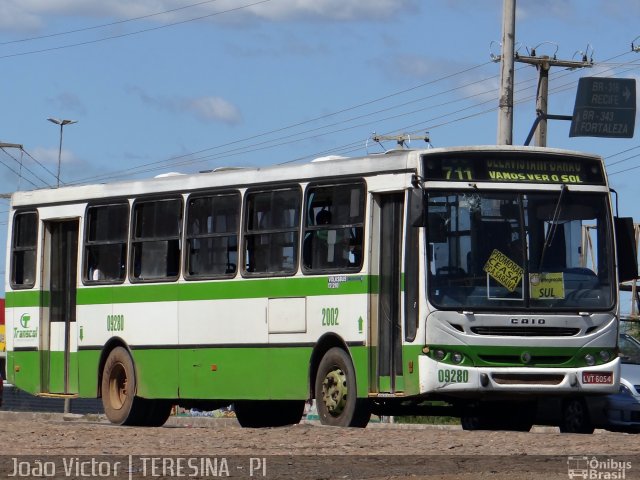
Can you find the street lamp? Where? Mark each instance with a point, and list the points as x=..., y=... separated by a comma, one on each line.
x=62, y=123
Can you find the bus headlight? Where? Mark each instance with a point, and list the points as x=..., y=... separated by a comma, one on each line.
x=439, y=355
x=589, y=360
x=604, y=355
x=457, y=357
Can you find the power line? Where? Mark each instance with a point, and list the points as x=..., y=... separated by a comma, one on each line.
x=244, y=149
x=17, y=173
x=104, y=25
x=623, y=151
x=22, y=166
x=625, y=170
x=171, y=161
x=113, y=37
x=43, y=166
x=262, y=145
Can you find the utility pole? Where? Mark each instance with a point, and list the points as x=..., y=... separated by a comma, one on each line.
x=544, y=64
x=505, y=114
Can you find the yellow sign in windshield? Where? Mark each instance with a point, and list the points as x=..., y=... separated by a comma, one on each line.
x=503, y=270
x=547, y=286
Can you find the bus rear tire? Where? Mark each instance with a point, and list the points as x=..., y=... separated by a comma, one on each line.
x=336, y=392
x=121, y=405
x=268, y=413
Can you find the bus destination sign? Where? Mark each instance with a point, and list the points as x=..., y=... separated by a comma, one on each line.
x=539, y=171
x=501, y=169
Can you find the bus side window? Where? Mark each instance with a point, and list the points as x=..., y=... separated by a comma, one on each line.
x=105, y=243
x=212, y=235
x=156, y=239
x=271, y=231
x=334, y=225
x=23, y=250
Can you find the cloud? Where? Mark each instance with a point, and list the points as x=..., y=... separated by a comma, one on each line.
x=68, y=102
x=334, y=9
x=48, y=156
x=551, y=8
x=32, y=14
x=213, y=109
x=206, y=109
x=14, y=17
x=287, y=44
x=417, y=67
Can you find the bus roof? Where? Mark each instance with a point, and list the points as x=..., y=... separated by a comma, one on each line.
x=391, y=161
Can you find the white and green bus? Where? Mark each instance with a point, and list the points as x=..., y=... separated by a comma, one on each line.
x=372, y=285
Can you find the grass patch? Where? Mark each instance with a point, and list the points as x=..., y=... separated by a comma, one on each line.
x=428, y=420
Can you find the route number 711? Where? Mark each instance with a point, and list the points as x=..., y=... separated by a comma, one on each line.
x=457, y=173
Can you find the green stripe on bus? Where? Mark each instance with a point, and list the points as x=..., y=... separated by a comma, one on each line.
x=212, y=290
x=23, y=298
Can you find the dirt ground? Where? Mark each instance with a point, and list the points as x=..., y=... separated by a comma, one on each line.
x=310, y=451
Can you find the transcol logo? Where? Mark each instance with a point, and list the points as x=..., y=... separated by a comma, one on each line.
x=24, y=320
x=25, y=331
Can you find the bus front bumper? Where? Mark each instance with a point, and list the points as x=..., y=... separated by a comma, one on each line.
x=438, y=377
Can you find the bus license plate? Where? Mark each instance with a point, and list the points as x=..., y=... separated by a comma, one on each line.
x=597, y=378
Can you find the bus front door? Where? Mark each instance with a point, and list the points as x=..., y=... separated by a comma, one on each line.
x=386, y=329
x=59, y=364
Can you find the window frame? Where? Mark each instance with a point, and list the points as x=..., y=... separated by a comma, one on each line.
x=133, y=241
x=86, y=243
x=246, y=233
x=187, y=238
x=12, y=283
x=310, y=229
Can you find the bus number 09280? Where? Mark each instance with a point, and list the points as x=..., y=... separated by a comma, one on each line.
x=115, y=323
x=451, y=375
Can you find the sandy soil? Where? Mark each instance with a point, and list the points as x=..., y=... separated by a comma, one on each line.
x=310, y=451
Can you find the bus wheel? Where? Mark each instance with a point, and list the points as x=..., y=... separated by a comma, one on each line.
x=575, y=417
x=336, y=390
x=157, y=412
x=268, y=413
x=121, y=405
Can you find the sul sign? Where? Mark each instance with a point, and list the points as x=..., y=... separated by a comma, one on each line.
x=605, y=107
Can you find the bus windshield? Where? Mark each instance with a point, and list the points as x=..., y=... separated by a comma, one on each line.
x=493, y=250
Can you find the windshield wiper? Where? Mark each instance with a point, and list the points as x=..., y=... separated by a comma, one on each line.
x=553, y=227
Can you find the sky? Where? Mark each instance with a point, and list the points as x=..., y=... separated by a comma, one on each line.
x=159, y=86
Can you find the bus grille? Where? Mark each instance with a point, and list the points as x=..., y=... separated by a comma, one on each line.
x=526, y=331
x=535, y=360
x=524, y=379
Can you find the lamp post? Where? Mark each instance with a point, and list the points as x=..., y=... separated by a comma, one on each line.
x=62, y=123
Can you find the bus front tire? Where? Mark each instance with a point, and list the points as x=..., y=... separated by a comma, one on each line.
x=336, y=392
x=575, y=417
x=121, y=405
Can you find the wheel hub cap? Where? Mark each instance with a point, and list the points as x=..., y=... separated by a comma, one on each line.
x=334, y=391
